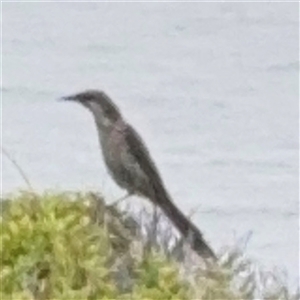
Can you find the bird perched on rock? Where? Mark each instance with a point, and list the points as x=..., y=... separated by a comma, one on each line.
x=131, y=166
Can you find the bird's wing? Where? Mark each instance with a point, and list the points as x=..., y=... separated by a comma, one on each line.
x=139, y=150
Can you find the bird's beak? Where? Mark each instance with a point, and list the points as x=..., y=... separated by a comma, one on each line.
x=69, y=98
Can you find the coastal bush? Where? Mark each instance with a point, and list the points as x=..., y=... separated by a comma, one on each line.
x=73, y=246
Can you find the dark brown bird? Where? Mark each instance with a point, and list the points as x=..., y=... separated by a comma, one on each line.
x=131, y=166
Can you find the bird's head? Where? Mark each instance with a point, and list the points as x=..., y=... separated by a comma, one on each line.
x=100, y=104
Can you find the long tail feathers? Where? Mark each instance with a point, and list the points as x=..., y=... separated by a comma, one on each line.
x=185, y=227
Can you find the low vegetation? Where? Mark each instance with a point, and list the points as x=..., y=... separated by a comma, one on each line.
x=73, y=246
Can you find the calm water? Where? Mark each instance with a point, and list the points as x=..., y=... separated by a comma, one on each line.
x=212, y=88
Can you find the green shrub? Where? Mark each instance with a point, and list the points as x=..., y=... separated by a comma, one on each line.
x=72, y=246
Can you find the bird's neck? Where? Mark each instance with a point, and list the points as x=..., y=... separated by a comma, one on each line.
x=106, y=128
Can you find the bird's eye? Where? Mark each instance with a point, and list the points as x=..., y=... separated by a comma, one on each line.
x=87, y=97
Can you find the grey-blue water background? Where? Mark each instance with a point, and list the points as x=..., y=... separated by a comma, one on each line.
x=211, y=87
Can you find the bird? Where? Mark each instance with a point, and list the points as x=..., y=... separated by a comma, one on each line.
x=131, y=166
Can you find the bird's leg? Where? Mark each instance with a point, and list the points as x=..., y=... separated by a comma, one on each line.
x=154, y=225
x=155, y=220
x=118, y=201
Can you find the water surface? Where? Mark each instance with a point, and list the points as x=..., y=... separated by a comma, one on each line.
x=211, y=87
